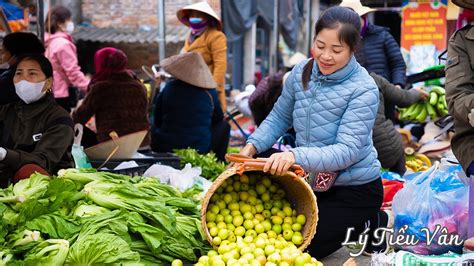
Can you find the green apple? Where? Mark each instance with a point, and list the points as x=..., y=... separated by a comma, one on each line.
x=239, y=231
x=288, y=234
x=301, y=219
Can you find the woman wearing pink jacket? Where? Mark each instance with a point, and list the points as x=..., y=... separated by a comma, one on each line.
x=62, y=53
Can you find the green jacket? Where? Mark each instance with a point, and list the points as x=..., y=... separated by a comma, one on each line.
x=460, y=92
x=39, y=133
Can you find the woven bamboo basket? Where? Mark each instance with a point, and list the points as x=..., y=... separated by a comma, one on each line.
x=298, y=193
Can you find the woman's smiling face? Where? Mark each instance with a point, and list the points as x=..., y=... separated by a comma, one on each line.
x=330, y=52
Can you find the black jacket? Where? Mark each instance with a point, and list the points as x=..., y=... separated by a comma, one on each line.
x=381, y=54
x=183, y=117
x=39, y=133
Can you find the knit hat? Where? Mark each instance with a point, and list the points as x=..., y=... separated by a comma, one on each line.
x=357, y=6
x=190, y=68
x=469, y=4
x=203, y=7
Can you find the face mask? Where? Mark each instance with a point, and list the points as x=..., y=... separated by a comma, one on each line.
x=195, y=20
x=70, y=27
x=30, y=92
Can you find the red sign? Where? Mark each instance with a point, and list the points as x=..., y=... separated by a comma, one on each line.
x=424, y=22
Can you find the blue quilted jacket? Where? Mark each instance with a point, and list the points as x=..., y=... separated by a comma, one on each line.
x=333, y=120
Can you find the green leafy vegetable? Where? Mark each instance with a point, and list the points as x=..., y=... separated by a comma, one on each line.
x=211, y=168
x=55, y=225
x=101, y=248
x=29, y=188
x=48, y=253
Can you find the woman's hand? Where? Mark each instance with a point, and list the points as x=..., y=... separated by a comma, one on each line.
x=279, y=163
x=249, y=150
x=423, y=94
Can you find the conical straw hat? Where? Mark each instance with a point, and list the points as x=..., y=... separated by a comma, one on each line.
x=469, y=4
x=190, y=68
x=357, y=6
x=203, y=7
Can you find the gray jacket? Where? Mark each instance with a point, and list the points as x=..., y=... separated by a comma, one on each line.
x=387, y=140
x=460, y=92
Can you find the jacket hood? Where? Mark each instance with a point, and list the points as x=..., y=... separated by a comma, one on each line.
x=48, y=37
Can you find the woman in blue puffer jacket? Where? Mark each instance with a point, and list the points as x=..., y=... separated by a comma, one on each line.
x=331, y=101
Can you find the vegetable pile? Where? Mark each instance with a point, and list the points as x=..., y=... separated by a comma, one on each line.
x=211, y=168
x=84, y=217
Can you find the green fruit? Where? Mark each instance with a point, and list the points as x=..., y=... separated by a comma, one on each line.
x=228, y=219
x=216, y=241
x=273, y=188
x=244, y=187
x=297, y=238
x=213, y=231
x=237, y=186
x=300, y=261
x=267, y=214
x=277, y=229
x=268, y=205
x=433, y=98
x=281, y=193
x=244, y=179
x=252, y=192
x=269, y=249
x=266, y=225
x=223, y=233
x=238, y=220
x=227, y=198
x=177, y=263
x=259, y=228
x=271, y=234
x=244, y=196
x=288, y=211
x=210, y=217
x=248, y=224
x=266, y=197
x=260, y=217
x=296, y=227
x=252, y=200
x=277, y=220
x=260, y=244
x=232, y=237
x=215, y=209
x=288, y=234
x=221, y=204
x=246, y=208
x=251, y=233
x=230, y=227
x=211, y=224
x=260, y=188
x=431, y=111
x=421, y=117
x=234, y=206
x=286, y=226
x=301, y=219
x=439, y=90
x=239, y=231
x=266, y=182
x=275, y=210
x=219, y=218
x=248, y=216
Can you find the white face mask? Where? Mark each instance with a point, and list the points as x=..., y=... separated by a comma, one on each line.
x=69, y=27
x=30, y=92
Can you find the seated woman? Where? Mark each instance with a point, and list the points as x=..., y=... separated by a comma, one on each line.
x=187, y=112
x=116, y=98
x=36, y=134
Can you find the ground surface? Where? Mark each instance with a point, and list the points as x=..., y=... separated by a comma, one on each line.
x=341, y=256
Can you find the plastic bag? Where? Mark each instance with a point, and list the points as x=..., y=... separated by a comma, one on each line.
x=77, y=151
x=180, y=179
x=432, y=208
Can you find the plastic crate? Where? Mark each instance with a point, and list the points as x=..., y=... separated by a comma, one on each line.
x=132, y=171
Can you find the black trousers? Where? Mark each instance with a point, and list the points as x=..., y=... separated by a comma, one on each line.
x=343, y=207
x=220, y=139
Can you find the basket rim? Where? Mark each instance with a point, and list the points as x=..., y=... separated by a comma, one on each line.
x=308, y=237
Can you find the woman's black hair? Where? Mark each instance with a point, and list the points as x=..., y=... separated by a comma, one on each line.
x=43, y=62
x=349, y=26
x=58, y=15
x=20, y=43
